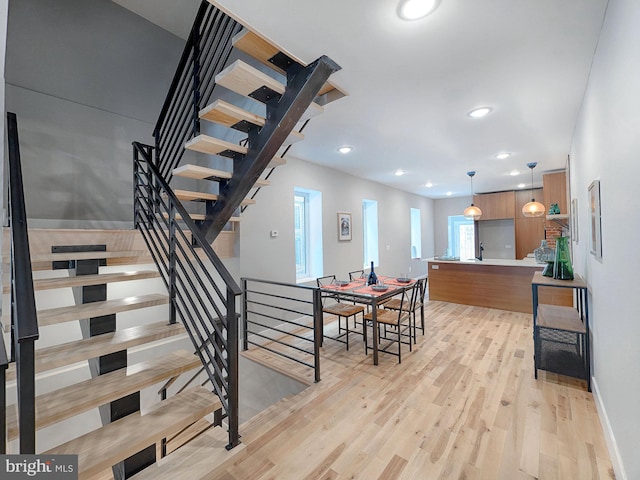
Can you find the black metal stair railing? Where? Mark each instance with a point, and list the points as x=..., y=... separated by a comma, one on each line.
x=205, y=55
x=202, y=292
x=24, y=322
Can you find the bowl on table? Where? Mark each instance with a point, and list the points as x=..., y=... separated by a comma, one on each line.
x=341, y=283
x=379, y=288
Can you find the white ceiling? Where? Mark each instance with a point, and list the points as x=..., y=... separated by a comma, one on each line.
x=411, y=84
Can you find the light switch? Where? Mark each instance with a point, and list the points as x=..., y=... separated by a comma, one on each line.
x=435, y=267
x=274, y=233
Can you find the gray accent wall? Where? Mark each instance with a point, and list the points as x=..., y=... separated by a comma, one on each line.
x=85, y=78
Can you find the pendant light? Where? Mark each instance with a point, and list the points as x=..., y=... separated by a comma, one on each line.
x=472, y=212
x=533, y=208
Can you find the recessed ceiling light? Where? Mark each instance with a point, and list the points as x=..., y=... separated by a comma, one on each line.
x=429, y=185
x=449, y=194
x=479, y=112
x=398, y=173
x=514, y=173
x=345, y=149
x=503, y=155
x=522, y=185
x=415, y=9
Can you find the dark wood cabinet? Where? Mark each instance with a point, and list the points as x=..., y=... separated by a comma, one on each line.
x=496, y=206
x=555, y=190
x=529, y=231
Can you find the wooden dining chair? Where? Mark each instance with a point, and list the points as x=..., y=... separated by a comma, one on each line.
x=337, y=308
x=394, y=326
x=418, y=304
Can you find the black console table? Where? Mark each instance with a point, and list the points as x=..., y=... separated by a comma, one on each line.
x=561, y=334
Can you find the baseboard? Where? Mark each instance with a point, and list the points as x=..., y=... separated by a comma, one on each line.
x=614, y=453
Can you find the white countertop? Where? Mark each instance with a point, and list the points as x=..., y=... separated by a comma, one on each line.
x=503, y=262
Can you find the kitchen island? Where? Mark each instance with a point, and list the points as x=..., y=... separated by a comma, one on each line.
x=493, y=283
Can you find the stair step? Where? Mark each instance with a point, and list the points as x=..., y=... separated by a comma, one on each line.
x=66, y=256
x=97, y=451
x=67, y=402
x=250, y=82
x=200, y=458
x=261, y=183
x=53, y=316
x=215, y=146
x=276, y=162
x=57, y=356
x=268, y=54
x=200, y=216
x=84, y=280
x=190, y=196
x=200, y=173
x=231, y=116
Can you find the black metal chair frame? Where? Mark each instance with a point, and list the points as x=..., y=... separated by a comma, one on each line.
x=403, y=325
x=338, y=311
x=421, y=284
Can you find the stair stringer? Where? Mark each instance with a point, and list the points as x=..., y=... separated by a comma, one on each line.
x=263, y=144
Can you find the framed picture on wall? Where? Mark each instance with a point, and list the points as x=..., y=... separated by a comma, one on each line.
x=344, y=226
x=594, y=219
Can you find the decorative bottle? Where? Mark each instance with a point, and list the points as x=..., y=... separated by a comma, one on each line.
x=373, y=278
x=562, y=269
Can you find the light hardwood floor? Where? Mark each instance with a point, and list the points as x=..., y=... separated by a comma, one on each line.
x=463, y=405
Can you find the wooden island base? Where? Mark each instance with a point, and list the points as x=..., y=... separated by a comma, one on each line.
x=502, y=284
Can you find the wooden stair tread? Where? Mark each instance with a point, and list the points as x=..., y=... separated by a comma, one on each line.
x=200, y=216
x=244, y=79
x=57, y=356
x=191, y=196
x=200, y=458
x=213, y=146
x=65, y=256
x=200, y=173
x=98, y=279
x=97, y=451
x=52, y=316
x=69, y=401
x=229, y=115
x=257, y=47
x=188, y=195
x=276, y=162
x=261, y=183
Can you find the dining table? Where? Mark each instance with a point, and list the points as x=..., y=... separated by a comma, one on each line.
x=358, y=291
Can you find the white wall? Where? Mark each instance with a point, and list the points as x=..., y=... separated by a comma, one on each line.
x=606, y=146
x=443, y=209
x=262, y=256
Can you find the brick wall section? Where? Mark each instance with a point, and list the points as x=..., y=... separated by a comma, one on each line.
x=551, y=231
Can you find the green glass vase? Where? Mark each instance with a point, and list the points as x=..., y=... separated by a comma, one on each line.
x=562, y=269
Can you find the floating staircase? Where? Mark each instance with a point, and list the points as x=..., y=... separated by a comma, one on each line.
x=277, y=91
x=149, y=364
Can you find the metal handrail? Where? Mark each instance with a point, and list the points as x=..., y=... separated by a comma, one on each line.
x=204, y=305
x=24, y=322
x=250, y=320
x=205, y=54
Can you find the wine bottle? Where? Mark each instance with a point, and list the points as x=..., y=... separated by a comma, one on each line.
x=373, y=278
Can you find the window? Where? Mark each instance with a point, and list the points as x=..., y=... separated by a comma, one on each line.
x=307, y=208
x=416, y=237
x=370, y=232
x=462, y=242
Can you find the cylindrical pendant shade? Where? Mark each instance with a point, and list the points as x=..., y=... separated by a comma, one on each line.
x=533, y=209
x=472, y=212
